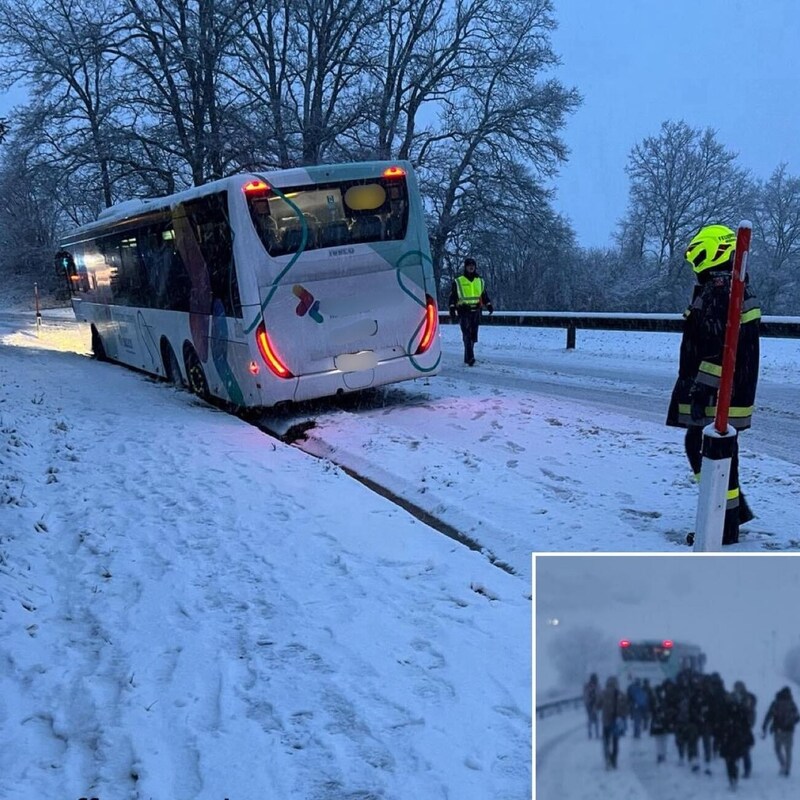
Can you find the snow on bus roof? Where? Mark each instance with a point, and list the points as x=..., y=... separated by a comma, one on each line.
x=280, y=178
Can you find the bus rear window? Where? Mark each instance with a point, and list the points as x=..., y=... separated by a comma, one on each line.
x=335, y=215
x=645, y=652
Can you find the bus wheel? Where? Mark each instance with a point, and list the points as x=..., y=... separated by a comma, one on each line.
x=194, y=373
x=172, y=369
x=98, y=348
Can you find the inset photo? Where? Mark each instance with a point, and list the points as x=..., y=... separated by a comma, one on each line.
x=665, y=676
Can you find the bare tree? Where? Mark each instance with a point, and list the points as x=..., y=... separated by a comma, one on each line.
x=62, y=49
x=262, y=70
x=681, y=180
x=776, y=240
x=501, y=127
x=30, y=216
x=304, y=73
x=175, y=51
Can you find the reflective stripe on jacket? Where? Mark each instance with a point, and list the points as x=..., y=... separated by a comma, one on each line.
x=702, y=346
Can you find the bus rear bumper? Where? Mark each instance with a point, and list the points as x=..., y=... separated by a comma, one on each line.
x=394, y=370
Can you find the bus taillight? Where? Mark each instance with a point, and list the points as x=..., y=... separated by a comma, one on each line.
x=256, y=186
x=431, y=320
x=269, y=355
x=667, y=643
x=394, y=172
x=624, y=643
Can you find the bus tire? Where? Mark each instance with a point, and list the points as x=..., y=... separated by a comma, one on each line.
x=172, y=368
x=98, y=348
x=194, y=373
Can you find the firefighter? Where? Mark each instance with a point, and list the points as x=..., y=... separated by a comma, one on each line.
x=467, y=297
x=693, y=404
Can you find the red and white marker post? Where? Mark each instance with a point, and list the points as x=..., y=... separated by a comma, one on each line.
x=719, y=438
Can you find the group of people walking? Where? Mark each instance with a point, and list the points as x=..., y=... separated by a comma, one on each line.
x=699, y=713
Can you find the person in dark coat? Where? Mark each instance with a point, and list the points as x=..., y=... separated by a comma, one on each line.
x=591, y=690
x=467, y=297
x=718, y=700
x=707, y=717
x=613, y=707
x=748, y=701
x=662, y=717
x=693, y=403
x=736, y=735
x=687, y=728
x=781, y=718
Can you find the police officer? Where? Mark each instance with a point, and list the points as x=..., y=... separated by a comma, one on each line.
x=467, y=297
x=693, y=404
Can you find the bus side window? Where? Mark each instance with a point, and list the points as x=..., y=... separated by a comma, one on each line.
x=166, y=274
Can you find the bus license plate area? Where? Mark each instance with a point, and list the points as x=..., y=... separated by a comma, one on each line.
x=356, y=362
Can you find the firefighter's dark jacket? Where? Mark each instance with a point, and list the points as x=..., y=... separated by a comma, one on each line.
x=701, y=353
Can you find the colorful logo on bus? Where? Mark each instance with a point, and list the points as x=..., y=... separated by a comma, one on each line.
x=307, y=305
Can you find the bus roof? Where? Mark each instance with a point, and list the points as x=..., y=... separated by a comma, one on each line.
x=296, y=176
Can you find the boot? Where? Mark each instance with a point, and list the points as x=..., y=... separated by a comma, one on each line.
x=745, y=514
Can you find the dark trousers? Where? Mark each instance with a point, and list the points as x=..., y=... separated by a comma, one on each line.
x=708, y=750
x=610, y=745
x=470, y=320
x=733, y=772
x=737, y=510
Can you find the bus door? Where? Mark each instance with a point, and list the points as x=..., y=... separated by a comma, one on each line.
x=205, y=243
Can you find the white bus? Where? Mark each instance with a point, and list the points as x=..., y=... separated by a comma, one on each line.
x=263, y=288
x=657, y=660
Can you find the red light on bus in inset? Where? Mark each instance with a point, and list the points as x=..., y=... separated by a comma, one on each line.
x=431, y=319
x=394, y=172
x=269, y=355
x=256, y=186
x=624, y=643
x=667, y=643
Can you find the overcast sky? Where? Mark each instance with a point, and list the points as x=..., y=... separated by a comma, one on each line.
x=731, y=65
x=736, y=607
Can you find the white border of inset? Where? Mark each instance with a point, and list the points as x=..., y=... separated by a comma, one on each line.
x=556, y=554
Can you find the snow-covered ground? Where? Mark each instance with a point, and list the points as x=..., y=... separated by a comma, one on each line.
x=191, y=609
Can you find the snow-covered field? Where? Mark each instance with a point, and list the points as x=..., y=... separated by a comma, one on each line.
x=189, y=609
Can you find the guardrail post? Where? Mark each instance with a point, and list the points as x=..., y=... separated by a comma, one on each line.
x=570, y=337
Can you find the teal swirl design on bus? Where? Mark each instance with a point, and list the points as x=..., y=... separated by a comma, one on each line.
x=303, y=240
x=219, y=353
x=399, y=267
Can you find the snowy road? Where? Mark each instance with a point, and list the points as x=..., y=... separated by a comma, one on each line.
x=640, y=391
x=569, y=766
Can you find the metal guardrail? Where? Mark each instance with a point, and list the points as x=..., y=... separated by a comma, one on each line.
x=778, y=327
x=557, y=706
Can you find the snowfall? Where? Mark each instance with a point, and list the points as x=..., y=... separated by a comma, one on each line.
x=190, y=608
x=729, y=606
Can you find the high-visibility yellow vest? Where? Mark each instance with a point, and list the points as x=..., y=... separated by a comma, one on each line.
x=469, y=291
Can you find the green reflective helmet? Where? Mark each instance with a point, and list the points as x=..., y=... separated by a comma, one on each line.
x=711, y=247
